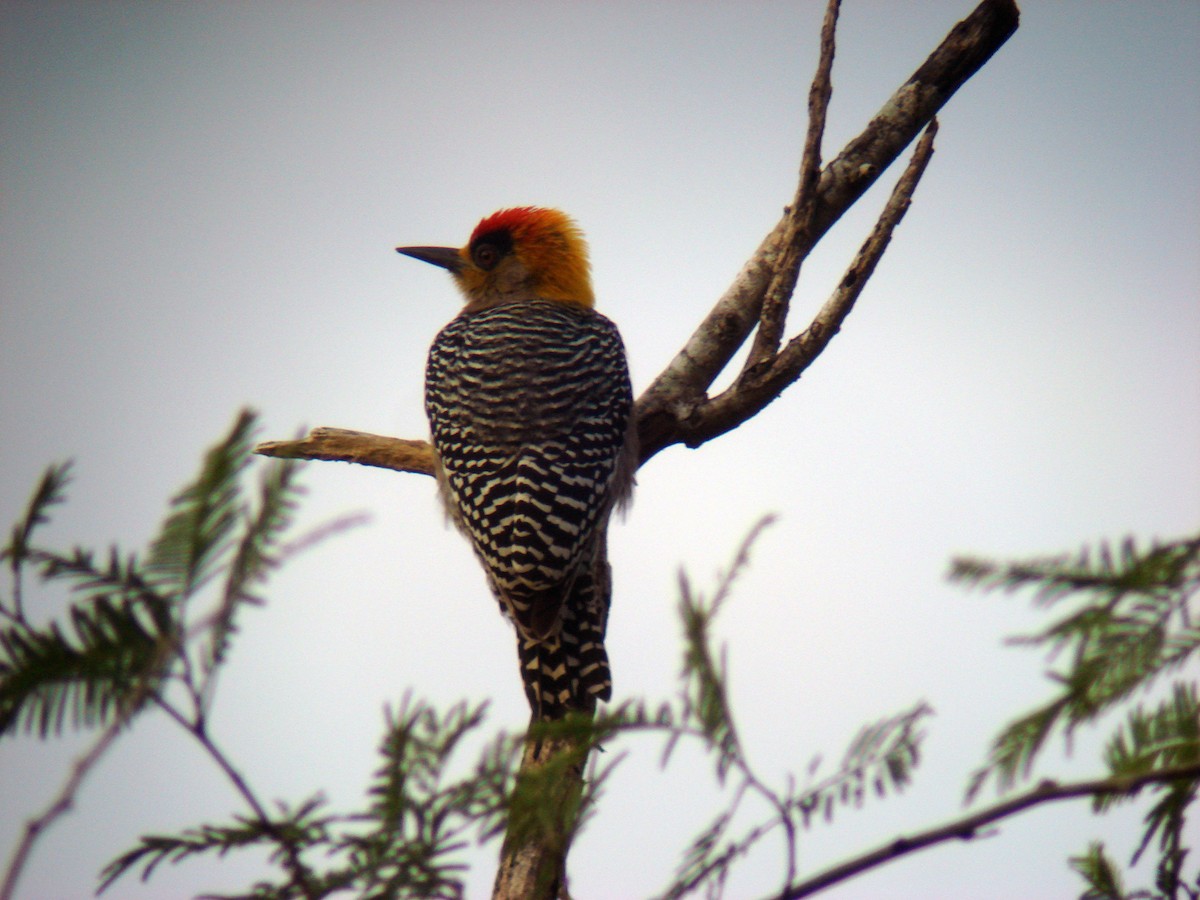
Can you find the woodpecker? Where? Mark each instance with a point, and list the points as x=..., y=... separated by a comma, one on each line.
x=530, y=408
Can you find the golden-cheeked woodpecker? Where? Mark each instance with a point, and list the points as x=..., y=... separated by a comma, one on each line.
x=529, y=403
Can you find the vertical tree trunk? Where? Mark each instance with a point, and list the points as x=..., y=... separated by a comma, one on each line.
x=533, y=858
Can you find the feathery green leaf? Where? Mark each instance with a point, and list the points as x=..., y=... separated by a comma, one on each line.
x=113, y=649
x=254, y=554
x=1102, y=876
x=1132, y=624
x=196, y=537
x=51, y=491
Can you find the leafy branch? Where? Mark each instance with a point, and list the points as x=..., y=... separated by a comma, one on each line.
x=405, y=844
x=882, y=755
x=129, y=632
x=971, y=826
x=1129, y=621
x=135, y=628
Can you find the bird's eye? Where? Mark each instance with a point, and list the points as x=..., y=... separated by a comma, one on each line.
x=486, y=256
x=488, y=249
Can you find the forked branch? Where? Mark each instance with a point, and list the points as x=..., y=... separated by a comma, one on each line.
x=676, y=407
x=798, y=218
x=666, y=407
x=759, y=384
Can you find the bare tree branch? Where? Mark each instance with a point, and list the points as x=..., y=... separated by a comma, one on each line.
x=343, y=445
x=64, y=800
x=797, y=238
x=60, y=806
x=968, y=827
x=756, y=387
x=672, y=397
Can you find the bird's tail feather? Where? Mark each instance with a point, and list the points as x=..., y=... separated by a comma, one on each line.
x=568, y=671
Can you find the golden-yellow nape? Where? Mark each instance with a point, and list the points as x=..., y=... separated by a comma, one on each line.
x=548, y=244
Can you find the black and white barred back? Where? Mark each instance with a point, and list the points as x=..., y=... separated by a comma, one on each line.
x=529, y=405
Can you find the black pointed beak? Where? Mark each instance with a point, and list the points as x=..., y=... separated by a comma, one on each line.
x=446, y=257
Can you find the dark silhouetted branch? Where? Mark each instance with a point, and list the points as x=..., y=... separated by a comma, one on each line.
x=968, y=827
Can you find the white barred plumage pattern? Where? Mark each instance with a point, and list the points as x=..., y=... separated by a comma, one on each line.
x=529, y=405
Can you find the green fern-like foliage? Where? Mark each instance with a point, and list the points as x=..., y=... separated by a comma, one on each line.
x=1128, y=621
x=50, y=491
x=420, y=819
x=127, y=632
x=408, y=841
x=302, y=825
x=1100, y=873
x=137, y=625
x=106, y=658
x=879, y=760
x=103, y=657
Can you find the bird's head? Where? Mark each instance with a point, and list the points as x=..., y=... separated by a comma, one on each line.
x=517, y=254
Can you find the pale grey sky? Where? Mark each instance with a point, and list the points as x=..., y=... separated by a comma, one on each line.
x=198, y=205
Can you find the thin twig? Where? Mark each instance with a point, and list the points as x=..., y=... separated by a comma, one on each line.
x=300, y=873
x=806, y=347
x=819, y=94
x=968, y=827
x=60, y=806
x=798, y=230
x=343, y=445
x=754, y=389
x=64, y=801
